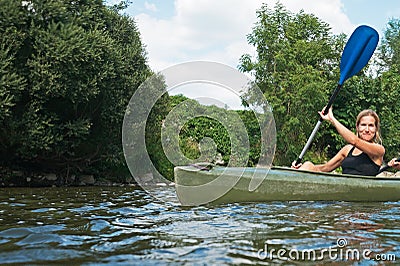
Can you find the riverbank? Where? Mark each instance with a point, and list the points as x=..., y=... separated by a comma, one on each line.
x=28, y=178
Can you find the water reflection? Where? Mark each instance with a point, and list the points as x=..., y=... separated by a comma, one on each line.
x=125, y=225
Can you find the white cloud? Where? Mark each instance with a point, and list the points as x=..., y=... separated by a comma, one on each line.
x=151, y=7
x=330, y=11
x=216, y=30
x=113, y=2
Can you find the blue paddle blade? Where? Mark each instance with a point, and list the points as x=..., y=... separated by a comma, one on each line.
x=357, y=52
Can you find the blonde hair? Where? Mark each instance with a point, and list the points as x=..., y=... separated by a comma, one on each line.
x=368, y=112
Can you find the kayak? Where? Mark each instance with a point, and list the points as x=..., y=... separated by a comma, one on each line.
x=196, y=185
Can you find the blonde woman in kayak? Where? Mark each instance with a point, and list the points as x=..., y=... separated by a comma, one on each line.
x=364, y=153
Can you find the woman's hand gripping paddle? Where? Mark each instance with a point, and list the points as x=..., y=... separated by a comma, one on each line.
x=384, y=168
x=356, y=54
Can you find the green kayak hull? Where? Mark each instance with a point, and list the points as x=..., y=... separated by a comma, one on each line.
x=196, y=186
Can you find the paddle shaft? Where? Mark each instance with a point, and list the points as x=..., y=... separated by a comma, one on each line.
x=326, y=110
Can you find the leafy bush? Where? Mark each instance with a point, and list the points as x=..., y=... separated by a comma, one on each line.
x=68, y=70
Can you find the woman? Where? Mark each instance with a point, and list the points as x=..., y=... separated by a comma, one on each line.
x=364, y=153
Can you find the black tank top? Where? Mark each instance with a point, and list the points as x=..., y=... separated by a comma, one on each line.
x=359, y=165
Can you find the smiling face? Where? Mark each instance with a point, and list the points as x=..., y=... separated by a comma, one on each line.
x=366, y=128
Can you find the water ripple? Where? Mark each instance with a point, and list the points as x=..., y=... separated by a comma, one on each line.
x=124, y=225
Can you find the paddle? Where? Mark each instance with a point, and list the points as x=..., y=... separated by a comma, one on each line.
x=356, y=54
x=384, y=168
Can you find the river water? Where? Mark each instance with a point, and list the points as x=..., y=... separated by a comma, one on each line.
x=126, y=226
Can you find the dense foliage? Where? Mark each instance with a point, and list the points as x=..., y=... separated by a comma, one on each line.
x=216, y=124
x=68, y=70
x=297, y=68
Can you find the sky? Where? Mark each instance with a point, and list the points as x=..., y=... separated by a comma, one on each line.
x=178, y=31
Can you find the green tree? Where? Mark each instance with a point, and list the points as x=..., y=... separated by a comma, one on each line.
x=68, y=70
x=202, y=133
x=388, y=87
x=296, y=68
